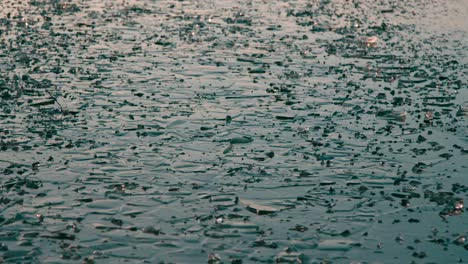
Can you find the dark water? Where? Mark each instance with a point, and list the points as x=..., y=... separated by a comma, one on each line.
x=233, y=131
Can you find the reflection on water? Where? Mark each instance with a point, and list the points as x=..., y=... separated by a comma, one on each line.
x=233, y=131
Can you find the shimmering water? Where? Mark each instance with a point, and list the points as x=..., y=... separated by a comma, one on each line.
x=233, y=131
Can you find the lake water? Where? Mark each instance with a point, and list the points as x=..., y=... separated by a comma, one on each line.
x=254, y=131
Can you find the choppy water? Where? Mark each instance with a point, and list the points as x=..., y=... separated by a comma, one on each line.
x=233, y=131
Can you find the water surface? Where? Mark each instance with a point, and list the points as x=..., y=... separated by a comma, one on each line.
x=233, y=131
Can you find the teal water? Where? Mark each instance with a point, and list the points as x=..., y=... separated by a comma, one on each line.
x=233, y=131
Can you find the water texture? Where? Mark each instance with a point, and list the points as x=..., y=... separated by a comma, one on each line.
x=237, y=131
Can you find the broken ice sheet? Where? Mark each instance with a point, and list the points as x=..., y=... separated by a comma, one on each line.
x=258, y=208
